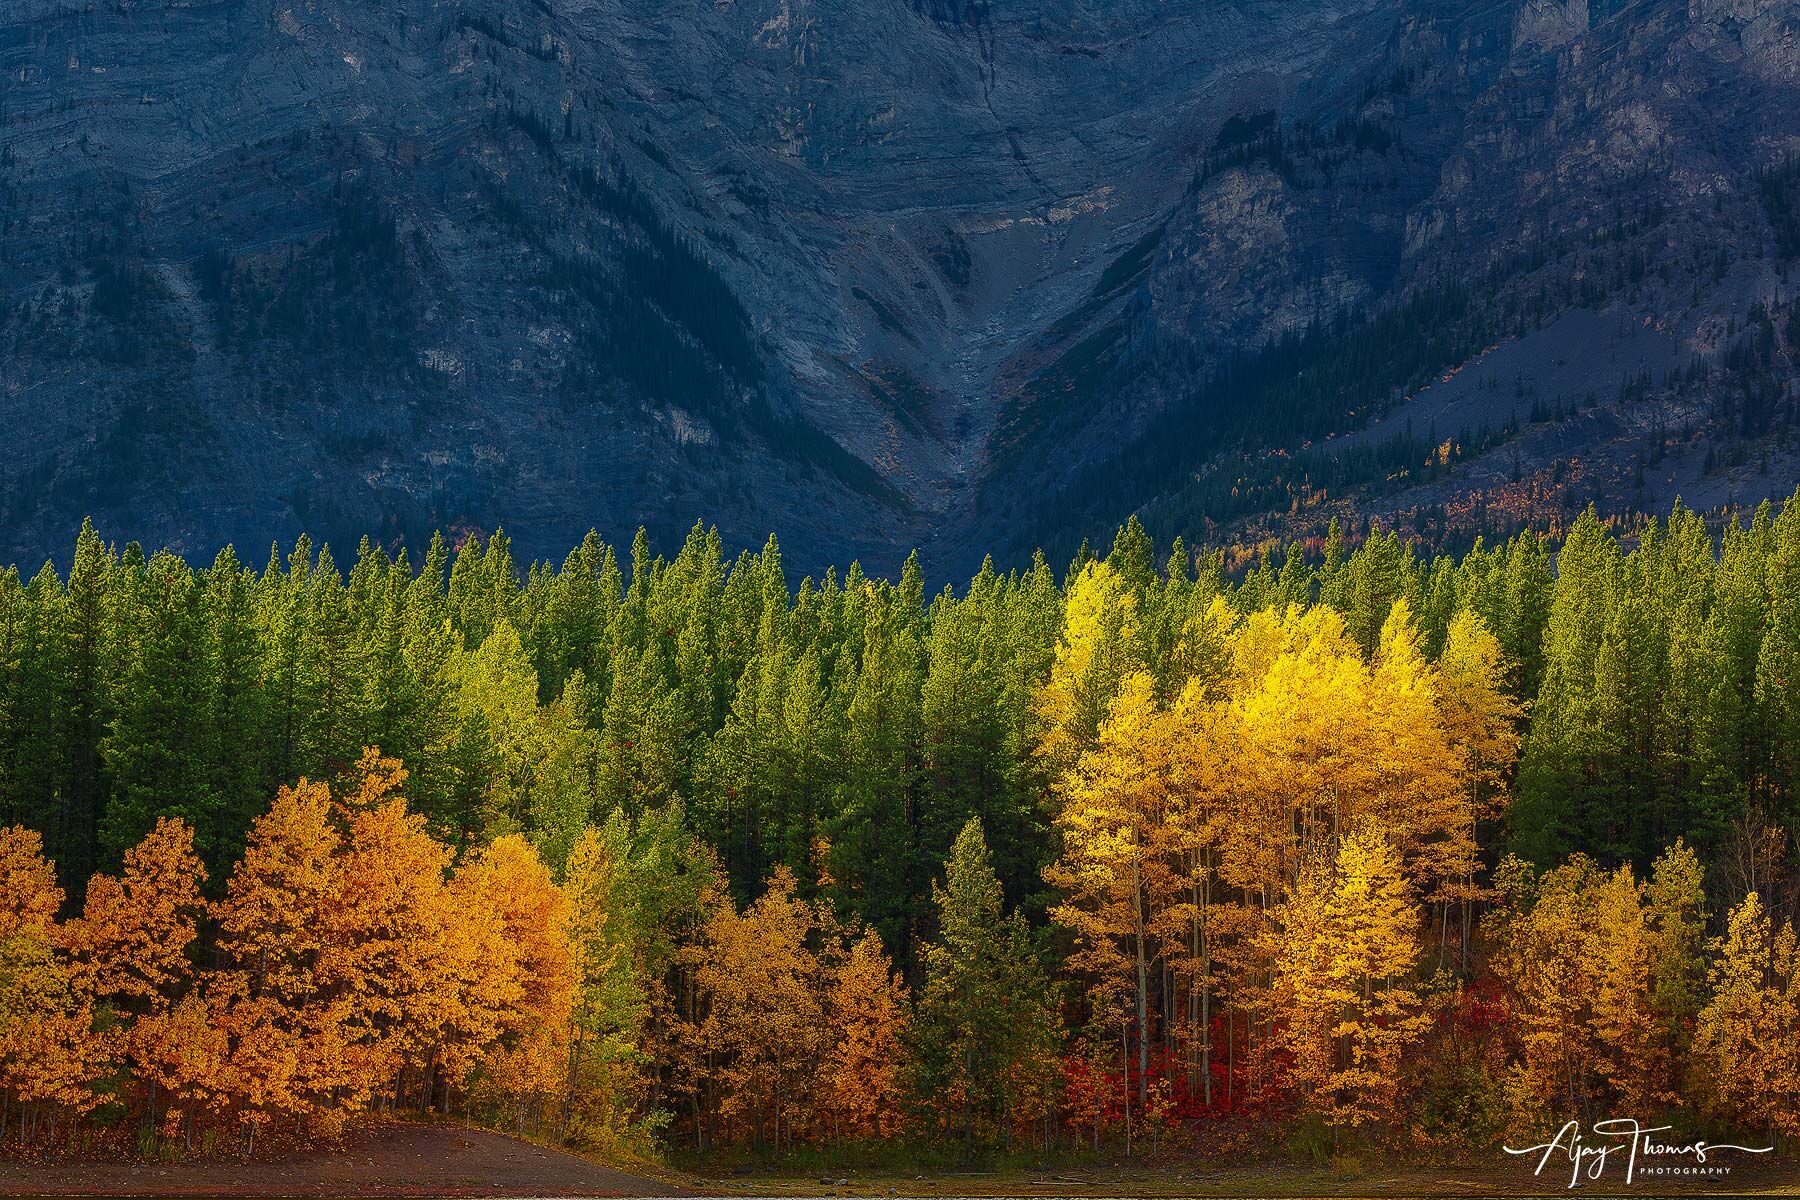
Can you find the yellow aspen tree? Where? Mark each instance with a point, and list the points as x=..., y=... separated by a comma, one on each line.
x=1419, y=794
x=48, y=1055
x=1097, y=649
x=1298, y=943
x=1270, y=633
x=1201, y=795
x=766, y=1020
x=1203, y=651
x=1348, y=943
x=861, y=1093
x=1112, y=817
x=385, y=946
x=1374, y=929
x=1620, y=971
x=1302, y=748
x=526, y=1065
x=1480, y=716
x=1748, y=1035
x=1542, y=941
x=290, y=1052
x=1481, y=720
x=1288, y=735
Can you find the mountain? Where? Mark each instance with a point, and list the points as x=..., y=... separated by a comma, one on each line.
x=890, y=273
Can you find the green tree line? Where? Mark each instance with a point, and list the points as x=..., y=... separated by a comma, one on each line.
x=845, y=727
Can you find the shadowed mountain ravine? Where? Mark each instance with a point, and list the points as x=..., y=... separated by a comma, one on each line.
x=961, y=276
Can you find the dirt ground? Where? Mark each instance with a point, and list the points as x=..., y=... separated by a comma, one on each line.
x=402, y=1160
x=387, y=1161
x=1270, y=1181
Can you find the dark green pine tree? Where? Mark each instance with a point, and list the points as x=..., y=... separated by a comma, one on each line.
x=1381, y=571
x=1440, y=603
x=433, y=746
x=483, y=588
x=1294, y=586
x=1734, y=734
x=1778, y=669
x=640, y=754
x=73, y=838
x=573, y=630
x=16, y=801
x=238, y=735
x=985, y=1028
x=744, y=801
x=1529, y=587
x=969, y=742
x=333, y=667
x=1133, y=556
x=872, y=831
x=282, y=619
x=161, y=750
x=389, y=700
x=1258, y=589
x=34, y=726
x=1555, y=805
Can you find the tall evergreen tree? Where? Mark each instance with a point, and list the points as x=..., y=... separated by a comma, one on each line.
x=986, y=1017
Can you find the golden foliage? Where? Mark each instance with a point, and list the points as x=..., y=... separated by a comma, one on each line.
x=1749, y=1035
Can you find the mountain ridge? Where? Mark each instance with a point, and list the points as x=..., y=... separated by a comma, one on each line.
x=870, y=276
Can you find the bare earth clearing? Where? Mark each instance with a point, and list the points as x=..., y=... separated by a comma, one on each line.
x=391, y=1160
x=402, y=1160
x=1400, y=1177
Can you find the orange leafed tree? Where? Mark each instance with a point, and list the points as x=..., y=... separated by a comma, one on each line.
x=134, y=939
x=133, y=949
x=766, y=1021
x=185, y=1054
x=862, y=1093
x=524, y=1067
x=386, y=947
x=48, y=1055
x=288, y=1036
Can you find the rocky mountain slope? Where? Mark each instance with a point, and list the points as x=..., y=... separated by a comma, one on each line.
x=952, y=274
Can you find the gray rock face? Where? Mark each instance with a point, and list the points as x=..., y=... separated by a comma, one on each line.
x=868, y=274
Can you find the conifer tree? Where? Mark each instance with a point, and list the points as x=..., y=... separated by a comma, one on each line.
x=159, y=752
x=90, y=648
x=985, y=1020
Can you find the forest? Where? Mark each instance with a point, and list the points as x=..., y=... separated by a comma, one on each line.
x=675, y=855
